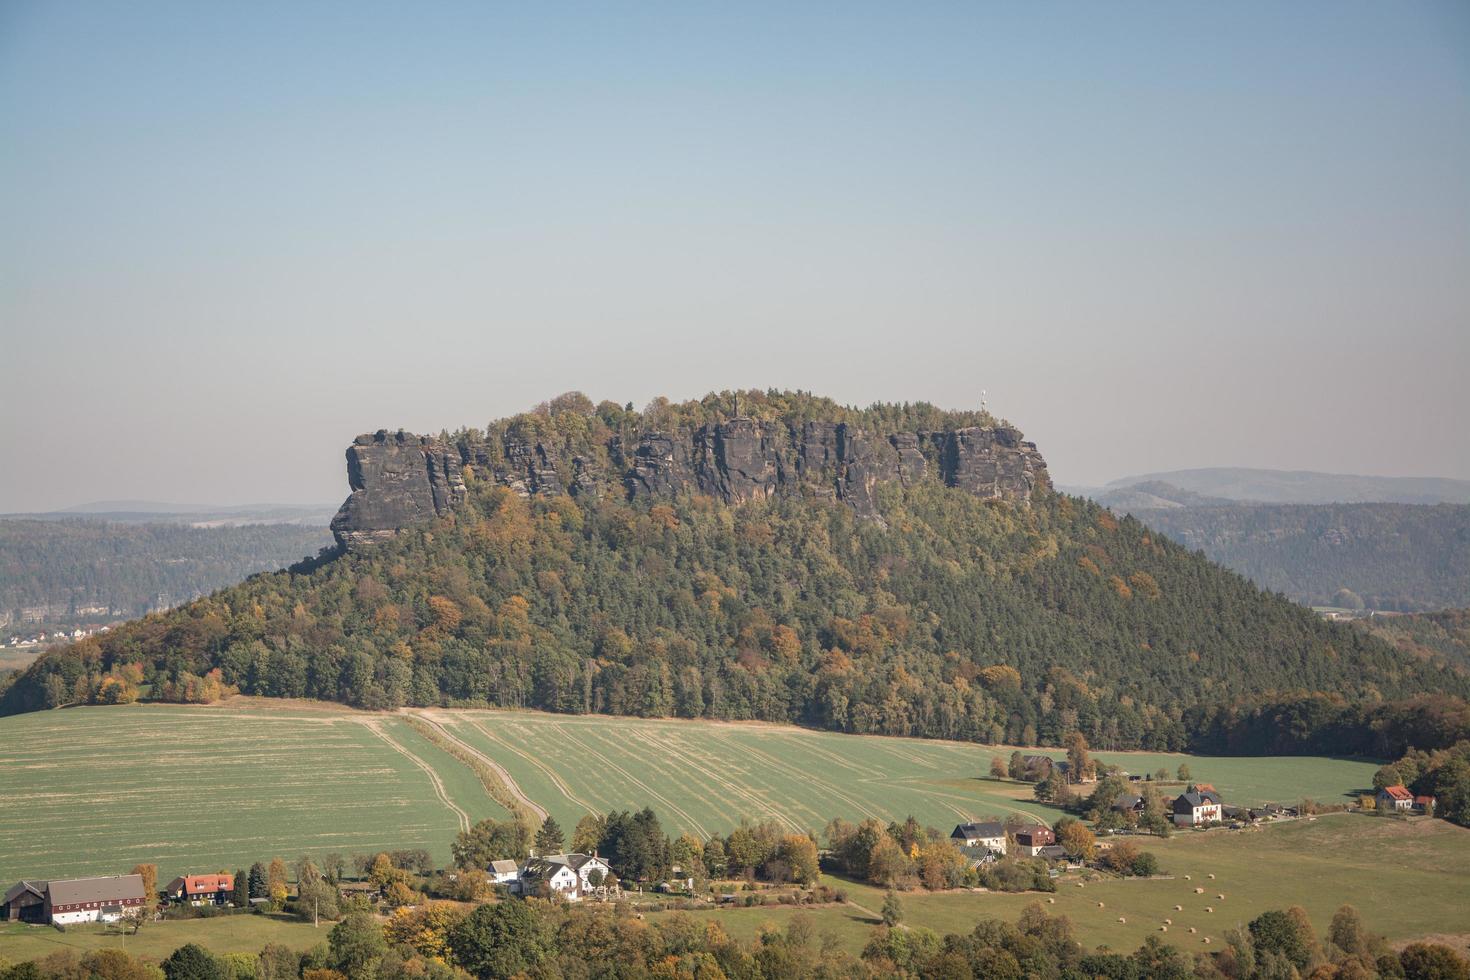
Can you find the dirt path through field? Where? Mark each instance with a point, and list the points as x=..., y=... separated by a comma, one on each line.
x=547, y=771
x=510, y=784
x=439, y=790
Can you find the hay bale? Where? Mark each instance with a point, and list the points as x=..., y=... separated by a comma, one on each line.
x=1207, y=940
x=1212, y=876
x=1121, y=919
x=1220, y=897
x=1051, y=901
x=1168, y=922
x=1186, y=877
x=1179, y=908
x=1199, y=891
x=1099, y=904
x=1209, y=909
x=1163, y=928
x=1192, y=930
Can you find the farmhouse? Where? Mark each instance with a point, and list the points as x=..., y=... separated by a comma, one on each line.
x=570, y=876
x=1396, y=799
x=201, y=889
x=504, y=872
x=1425, y=804
x=1196, y=808
x=75, y=900
x=1033, y=840
x=988, y=836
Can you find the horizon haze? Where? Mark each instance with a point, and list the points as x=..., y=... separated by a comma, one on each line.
x=1158, y=239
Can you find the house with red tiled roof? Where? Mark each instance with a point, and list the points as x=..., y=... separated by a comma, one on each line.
x=213, y=889
x=1425, y=804
x=1395, y=799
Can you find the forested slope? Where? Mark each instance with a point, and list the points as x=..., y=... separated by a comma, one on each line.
x=954, y=616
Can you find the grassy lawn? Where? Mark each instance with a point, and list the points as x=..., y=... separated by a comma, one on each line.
x=224, y=934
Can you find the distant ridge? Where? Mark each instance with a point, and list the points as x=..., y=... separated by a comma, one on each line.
x=1305, y=486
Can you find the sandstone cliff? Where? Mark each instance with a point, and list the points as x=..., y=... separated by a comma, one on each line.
x=400, y=480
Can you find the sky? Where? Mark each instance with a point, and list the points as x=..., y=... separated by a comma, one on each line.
x=1157, y=236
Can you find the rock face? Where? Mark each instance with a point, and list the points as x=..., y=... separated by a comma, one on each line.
x=398, y=480
x=401, y=480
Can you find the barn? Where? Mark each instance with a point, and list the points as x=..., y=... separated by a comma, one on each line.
x=75, y=900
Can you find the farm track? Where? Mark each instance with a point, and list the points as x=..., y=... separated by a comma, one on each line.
x=551, y=774
x=434, y=778
x=635, y=781
x=511, y=786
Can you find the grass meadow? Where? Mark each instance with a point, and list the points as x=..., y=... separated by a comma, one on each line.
x=1408, y=879
x=224, y=934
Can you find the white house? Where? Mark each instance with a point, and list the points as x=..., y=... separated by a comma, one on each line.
x=979, y=837
x=565, y=875
x=1197, y=808
x=504, y=872
x=1395, y=798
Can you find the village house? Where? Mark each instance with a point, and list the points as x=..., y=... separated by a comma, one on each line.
x=1032, y=840
x=569, y=876
x=504, y=872
x=980, y=837
x=1197, y=808
x=1037, y=766
x=201, y=889
x=75, y=900
x=1395, y=799
x=1425, y=804
x=1128, y=803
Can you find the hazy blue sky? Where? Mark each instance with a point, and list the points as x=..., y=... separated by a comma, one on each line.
x=233, y=236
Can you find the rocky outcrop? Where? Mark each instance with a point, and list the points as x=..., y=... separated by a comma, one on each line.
x=400, y=480
x=397, y=480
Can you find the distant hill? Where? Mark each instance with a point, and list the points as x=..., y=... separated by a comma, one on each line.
x=1305, y=487
x=65, y=572
x=151, y=511
x=1400, y=557
x=891, y=570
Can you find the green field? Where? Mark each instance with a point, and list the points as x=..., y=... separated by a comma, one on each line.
x=97, y=790
x=225, y=934
x=1408, y=880
x=194, y=788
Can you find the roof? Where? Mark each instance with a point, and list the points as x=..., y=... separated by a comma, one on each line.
x=1206, y=788
x=1424, y=800
x=972, y=831
x=37, y=888
x=1036, y=833
x=77, y=891
x=1127, y=801
x=1185, y=802
x=504, y=867
x=1052, y=851
x=1397, y=792
x=202, y=884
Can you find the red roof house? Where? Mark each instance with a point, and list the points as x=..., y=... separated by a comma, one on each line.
x=202, y=889
x=1395, y=798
